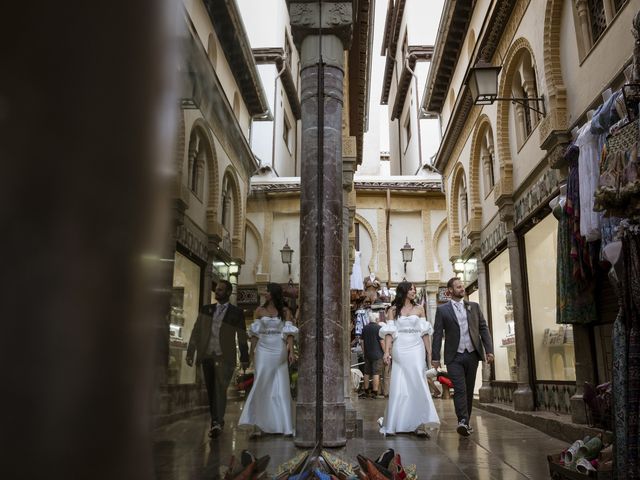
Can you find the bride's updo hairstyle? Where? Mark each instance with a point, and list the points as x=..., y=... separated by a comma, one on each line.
x=401, y=294
x=275, y=291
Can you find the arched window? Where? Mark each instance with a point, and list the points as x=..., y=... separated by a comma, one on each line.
x=471, y=44
x=487, y=157
x=197, y=158
x=592, y=17
x=227, y=204
x=212, y=50
x=236, y=105
x=463, y=205
x=525, y=86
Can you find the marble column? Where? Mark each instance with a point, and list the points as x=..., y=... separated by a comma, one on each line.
x=320, y=409
x=523, y=398
x=486, y=394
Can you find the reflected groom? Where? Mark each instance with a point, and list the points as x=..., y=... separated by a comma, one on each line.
x=467, y=338
x=214, y=337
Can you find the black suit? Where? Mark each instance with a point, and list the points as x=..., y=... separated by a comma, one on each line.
x=218, y=370
x=461, y=366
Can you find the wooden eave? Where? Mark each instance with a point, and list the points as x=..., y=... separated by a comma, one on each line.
x=228, y=25
x=451, y=34
x=398, y=12
x=415, y=53
x=276, y=55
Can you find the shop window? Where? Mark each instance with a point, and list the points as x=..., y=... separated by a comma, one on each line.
x=185, y=304
x=502, y=323
x=552, y=343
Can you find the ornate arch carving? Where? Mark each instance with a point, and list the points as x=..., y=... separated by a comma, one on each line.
x=236, y=235
x=504, y=186
x=436, y=237
x=213, y=174
x=374, y=239
x=457, y=177
x=475, y=169
x=556, y=118
x=251, y=227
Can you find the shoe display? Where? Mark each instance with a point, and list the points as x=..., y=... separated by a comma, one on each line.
x=463, y=429
x=385, y=457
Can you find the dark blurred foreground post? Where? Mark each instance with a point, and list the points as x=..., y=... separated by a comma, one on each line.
x=86, y=129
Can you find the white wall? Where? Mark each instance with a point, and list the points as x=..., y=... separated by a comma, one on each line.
x=200, y=18
x=446, y=269
x=252, y=260
x=285, y=226
x=405, y=225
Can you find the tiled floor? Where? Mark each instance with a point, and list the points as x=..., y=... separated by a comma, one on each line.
x=499, y=449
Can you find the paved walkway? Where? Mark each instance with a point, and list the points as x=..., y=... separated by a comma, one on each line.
x=499, y=449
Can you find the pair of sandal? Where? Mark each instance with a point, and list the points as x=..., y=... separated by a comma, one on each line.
x=250, y=467
x=387, y=466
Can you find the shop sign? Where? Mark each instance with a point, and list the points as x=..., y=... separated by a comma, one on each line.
x=191, y=242
x=497, y=235
x=538, y=194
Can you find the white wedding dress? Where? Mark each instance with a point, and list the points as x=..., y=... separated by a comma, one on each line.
x=410, y=403
x=268, y=405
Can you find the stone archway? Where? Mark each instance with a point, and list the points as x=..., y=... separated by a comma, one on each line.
x=504, y=186
x=254, y=230
x=374, y=239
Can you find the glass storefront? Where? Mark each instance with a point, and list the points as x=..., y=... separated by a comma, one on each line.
x=552, y=343
x=502, y=323
x=185, y=304
x=475, y=297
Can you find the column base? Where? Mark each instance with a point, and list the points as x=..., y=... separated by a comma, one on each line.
x=486, y=394
x=578, y=410
x=333, y=428
x=523, y=399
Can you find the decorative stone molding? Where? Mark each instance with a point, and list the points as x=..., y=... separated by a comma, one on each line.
x=511, y=63
x=555, y=144
x=192, y=241
x=415, y=186
x=493, y=239
x=458, y=177
x=538, y=194
x=556, y=90
x=332, y=18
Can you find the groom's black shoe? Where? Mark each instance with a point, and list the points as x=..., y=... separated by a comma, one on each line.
x=463, y=429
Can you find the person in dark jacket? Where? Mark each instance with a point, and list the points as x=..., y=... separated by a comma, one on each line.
x=467, y=342
x=219, y=331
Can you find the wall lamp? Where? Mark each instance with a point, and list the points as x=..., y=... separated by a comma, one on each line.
x=407, y=254
x=482, y=81
x=287, y=254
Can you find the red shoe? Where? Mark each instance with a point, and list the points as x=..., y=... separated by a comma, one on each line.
x=397, y=470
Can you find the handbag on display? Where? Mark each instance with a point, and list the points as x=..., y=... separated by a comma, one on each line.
x=290, y=290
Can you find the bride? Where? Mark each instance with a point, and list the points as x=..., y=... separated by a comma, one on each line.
x=268, y=406
x=410, y=407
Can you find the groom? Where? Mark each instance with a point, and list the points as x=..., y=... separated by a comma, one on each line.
x=467, y=338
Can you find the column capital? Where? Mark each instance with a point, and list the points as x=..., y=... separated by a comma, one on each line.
x=321, y=18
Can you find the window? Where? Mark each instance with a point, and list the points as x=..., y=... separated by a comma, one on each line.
x=287, y=49
x=286, y=132
x=212, y=50
x=487, y=157
x=197, y=158
x=226, y=204
x=407, y=130
x=592, y=19
x=236, y=105
x=525, y=86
